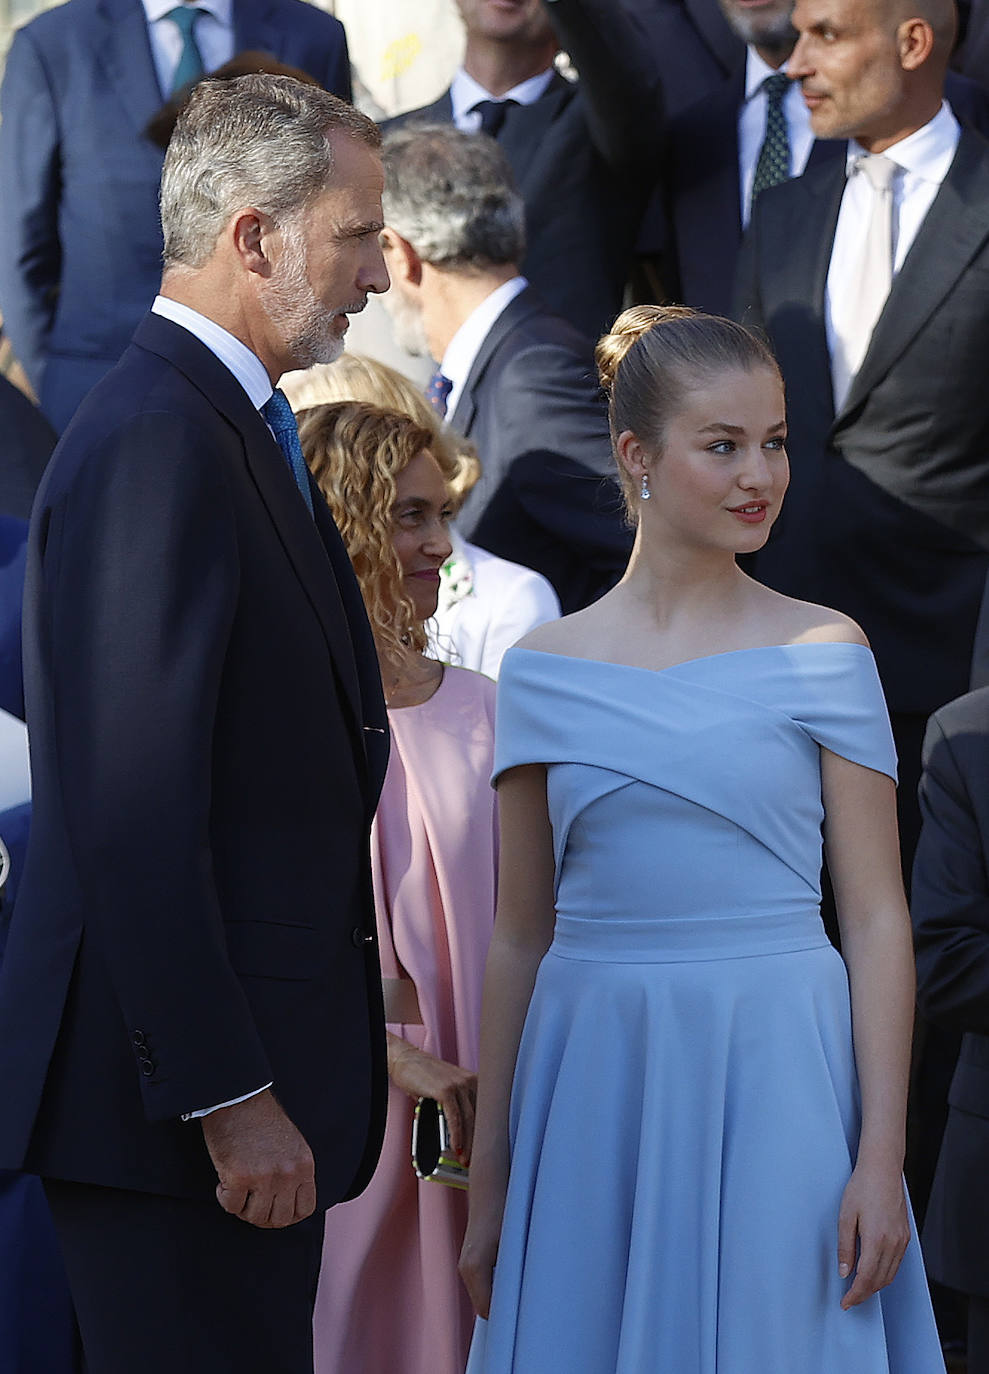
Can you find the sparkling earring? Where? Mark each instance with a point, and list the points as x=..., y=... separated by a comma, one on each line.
x=644, y=492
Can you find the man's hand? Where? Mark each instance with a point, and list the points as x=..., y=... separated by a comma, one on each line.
x=264, y=1165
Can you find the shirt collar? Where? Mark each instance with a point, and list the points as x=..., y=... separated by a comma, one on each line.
x=756, y=72
x=219, y=9
x=465, y=345
x=465, y=92
x=927, y=152
x=246, y=366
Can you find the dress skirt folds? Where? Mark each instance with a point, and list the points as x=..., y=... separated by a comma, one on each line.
x=685, y=1111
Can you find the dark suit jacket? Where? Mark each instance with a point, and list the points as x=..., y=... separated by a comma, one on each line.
x=80, y=237
x=887, y=517
x=585, y=157
x=26, y=442
x=208, y=744
x=546, y=497
x=972, y=54
x=950, y=905
x=702, y=187
x=691, y=44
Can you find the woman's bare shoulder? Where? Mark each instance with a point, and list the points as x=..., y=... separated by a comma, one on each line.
x=572, y=635
x=802, y=622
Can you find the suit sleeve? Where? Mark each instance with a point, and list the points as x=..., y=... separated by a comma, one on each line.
x=621, y=91
x=30, y=187
x=950, y=893
x=141, y=567
x=553, y=417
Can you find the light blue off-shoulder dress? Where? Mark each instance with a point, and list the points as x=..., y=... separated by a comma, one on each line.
x=685, y=1110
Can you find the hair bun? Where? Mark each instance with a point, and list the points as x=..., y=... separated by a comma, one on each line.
x=629, y=327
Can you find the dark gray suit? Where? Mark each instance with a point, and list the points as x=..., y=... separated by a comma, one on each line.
x=546, y=498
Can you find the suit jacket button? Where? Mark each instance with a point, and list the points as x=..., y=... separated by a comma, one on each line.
x=359, y=938
x=147, y=1068
x=138, y=1039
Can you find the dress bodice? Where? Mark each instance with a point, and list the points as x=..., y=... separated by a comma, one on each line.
x=695, y=791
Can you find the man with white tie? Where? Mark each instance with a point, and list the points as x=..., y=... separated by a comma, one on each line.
x=80, y=237
x=871, y=278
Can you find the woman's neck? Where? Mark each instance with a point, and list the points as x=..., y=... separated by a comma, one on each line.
x=408, y=679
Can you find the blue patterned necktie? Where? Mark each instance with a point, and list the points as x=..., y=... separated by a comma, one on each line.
x=278, y=413
x=437, y=391
x=773, y=165
x=191, y=66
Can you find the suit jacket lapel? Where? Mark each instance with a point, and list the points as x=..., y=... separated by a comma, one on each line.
x=526, y=126
x=525, y=303
x=806, y=251
x=301, y=539
x=953, y=231
x=124, y=49
x=256, y=27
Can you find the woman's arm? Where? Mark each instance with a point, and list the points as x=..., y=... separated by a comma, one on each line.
x=522, y=934
x=864, y=861
x=421, y=1074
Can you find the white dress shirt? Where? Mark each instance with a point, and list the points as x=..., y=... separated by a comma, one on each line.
x=465, y=92
x=250, y=372
x=924, y=158
x=752, y=126
x=214, y=37
x=465, y=345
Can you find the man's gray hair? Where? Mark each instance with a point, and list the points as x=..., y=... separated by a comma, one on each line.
x=259, y=142
x=452, y=196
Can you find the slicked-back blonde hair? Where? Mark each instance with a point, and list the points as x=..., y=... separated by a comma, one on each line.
x=355, y=451
x=354, y=377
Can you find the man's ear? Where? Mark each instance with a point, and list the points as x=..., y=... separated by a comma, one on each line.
x=252, y=235
x=915, y=40
x=403, y=262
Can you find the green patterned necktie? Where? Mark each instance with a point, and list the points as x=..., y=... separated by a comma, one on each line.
x=191, y=66
x=773, y=165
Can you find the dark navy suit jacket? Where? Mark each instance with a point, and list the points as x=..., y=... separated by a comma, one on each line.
x=208, y=744
x=546, y=497
x=80, y=237
x=950, y=908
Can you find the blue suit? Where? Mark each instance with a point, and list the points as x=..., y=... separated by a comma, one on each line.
x=80, y=238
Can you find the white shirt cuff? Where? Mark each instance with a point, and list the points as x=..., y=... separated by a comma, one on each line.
x=207, y=1111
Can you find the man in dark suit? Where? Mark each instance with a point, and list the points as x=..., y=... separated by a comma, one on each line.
x=80, y=238
x=887, y=517
x=950, y=909
x=514, y=378
x=191, y=1031
x=971, y=56
x=585, y=155
x=691, y=43
x=750, y=132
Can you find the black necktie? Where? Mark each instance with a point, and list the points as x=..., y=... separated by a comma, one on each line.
x=492, y=114
x=773, y=165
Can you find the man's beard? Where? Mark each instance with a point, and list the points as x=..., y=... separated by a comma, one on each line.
x=406, y=322
x=304, y=324
x=775, y=33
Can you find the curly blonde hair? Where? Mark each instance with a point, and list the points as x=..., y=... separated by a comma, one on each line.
x=355, y=451
x=354, y=377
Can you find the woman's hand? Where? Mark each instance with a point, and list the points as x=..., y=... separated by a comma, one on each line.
x=872, y=1221
x=423, y=1075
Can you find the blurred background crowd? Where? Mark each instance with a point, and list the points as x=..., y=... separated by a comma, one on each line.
x=546, y=163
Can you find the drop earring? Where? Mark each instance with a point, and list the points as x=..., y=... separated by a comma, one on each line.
x=644, y=492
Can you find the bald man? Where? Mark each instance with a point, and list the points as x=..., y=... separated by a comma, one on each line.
x=887, y=517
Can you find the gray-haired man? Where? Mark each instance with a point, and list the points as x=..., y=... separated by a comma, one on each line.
x=191, y=1036
x=514, y=378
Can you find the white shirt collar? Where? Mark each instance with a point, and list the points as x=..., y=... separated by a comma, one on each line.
x=246, y=366
x=757, y=71
x=465, y=345
x=927, y=153
x=219, y=9
x=465, y=92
